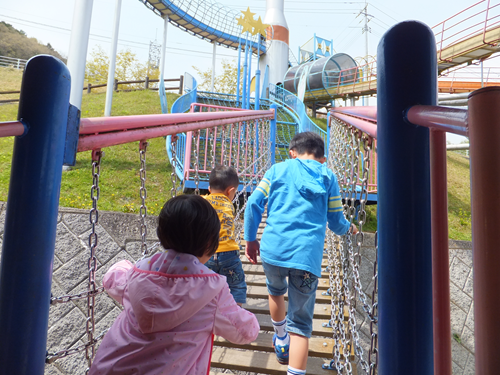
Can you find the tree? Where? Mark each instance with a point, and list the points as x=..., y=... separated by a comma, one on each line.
x=14, y=43
x=128, y=68
x=224, y=82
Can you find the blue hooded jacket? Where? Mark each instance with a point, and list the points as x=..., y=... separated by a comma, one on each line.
x=302, y=195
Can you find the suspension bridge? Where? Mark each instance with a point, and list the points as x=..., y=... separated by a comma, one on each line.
x=409, y=283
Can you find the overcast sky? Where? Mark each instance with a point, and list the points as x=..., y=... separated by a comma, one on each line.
x=50, y=22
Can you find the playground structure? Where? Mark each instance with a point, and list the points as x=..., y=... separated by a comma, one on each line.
x=252, y=140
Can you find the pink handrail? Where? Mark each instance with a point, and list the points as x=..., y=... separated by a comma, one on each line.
x=114, y=137
x=119, y=123
x=11, y=128
x=446, y=119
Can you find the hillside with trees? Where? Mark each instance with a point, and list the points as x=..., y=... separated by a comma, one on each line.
x=15, y=43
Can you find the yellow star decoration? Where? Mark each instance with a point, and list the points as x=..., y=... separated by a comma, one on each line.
x=260, y=27
x=248, y=14
x=246, y=26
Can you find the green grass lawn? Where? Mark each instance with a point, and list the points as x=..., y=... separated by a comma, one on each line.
x=120, y=165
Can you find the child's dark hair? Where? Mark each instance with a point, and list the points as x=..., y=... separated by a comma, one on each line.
x=308, y=143
x=222, y=177
x=189, y=224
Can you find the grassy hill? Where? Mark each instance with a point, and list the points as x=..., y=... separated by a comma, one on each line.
x=120, y=166
x=15, y=43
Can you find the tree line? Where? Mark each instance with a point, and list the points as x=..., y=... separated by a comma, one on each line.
x=15, y=43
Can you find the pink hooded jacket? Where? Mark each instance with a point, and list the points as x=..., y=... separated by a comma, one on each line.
x=173, y=305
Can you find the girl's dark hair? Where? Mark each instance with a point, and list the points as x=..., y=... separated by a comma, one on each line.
x=189, y=224
x=308, y=143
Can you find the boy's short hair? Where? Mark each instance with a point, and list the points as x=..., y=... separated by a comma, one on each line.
x=189, y=224
x=222, y=177
x=308, y=143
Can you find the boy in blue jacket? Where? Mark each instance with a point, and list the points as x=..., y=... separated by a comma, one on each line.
x=302, y=195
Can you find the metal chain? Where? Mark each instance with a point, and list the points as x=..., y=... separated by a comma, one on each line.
x=173, y=163
x=361, y=221
x=210, y=135
x=143, y=146
x=52, y=357
x=344, y=161
x=196, y=137
x=74, y=297
x=223, y=145
x=373, y=355
x=92, y=262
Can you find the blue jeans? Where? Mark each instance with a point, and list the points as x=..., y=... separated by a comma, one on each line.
x=228, y=264
x=301, y=288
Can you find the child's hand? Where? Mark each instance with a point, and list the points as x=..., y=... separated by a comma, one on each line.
x=252, y=250
x=354, y=229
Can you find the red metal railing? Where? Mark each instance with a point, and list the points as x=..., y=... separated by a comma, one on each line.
x=220, y=145
x=470, y=22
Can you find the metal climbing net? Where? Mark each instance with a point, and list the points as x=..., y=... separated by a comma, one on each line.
x=351, y=155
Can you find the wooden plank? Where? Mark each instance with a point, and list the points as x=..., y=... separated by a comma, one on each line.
x=261, y=306
x=318, y=347
x=261, y=292
x=260, y=280
x=260, y=362
x=256, y=269
x=318, y=329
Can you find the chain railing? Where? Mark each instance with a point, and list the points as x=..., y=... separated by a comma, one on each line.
x=350, y=159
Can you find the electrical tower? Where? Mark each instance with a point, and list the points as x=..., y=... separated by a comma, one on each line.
x=154, y=56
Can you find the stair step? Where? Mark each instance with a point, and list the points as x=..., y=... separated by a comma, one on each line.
x=318, y=347
x=261, y=362
x=318, y=329
x=261, y=292
x=260, y=280
x=261, y=306
x=256, y=269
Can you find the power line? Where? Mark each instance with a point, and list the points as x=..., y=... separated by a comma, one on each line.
x=108, y=39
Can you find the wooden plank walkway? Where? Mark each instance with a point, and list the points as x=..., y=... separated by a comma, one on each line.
x=258, y=356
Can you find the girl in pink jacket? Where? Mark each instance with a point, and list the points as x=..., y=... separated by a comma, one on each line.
x=173, y=304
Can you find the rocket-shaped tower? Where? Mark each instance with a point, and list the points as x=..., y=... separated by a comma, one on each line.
x=277, y=35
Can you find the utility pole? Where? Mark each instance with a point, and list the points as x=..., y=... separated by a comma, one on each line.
x=365, y=29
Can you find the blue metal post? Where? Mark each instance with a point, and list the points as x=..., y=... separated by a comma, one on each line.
x=31, y=219
x=238, y=74
x=249, y=74
x=257, y=77
x=273, y=133
x=407, y=75
x=315, y=42
x=327, y=146
x=244, y=97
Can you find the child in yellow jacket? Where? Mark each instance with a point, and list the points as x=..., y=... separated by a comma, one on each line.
x=223, y=185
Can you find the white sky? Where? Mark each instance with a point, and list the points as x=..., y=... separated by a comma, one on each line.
x=50, y=22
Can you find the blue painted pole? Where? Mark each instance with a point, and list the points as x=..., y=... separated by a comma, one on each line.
x=244, y=97
x=238, y=74
x=328, y=129
x=273, y=133
x=249, y=74
x=257, y=77
x=31, y=218
x=407, y=75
